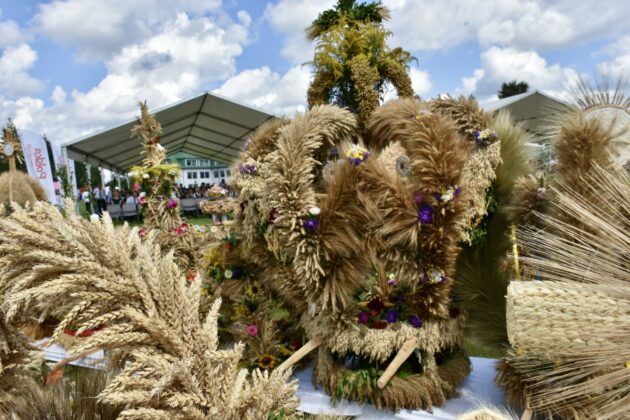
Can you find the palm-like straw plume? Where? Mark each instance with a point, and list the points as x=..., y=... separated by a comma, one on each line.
x=94, y=276
x=570, y=332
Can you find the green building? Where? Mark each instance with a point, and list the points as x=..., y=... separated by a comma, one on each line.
x=197, y=171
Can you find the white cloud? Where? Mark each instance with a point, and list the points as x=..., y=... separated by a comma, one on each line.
x=291, y=18
x=100, y=28
x=180, y=61
x=58, y=95
x=12, y=34
x=420, y=81
x=619, y=66
x=500, y=65
x=525, y=24
x=15, y=63
x=268, y=90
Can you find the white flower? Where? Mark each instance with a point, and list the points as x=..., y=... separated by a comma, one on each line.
x=94, y=218
x=228, y=274
x=160, y=147
x=314, y=211
x=214, y=229
x=145, y=176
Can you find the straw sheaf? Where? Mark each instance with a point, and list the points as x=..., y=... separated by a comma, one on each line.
x=301, y=143
x=18, y=187
x=546, y=318
x=389, y=156
x=418, y=391
x=437, y=157
x=346, y=218
x=16, y=353
x=573, y=361
x=477, y=177
x=580, y=143
x=264, y=140
x=464, y=112
x=93, y=275
x=511, y=381
x=279, y=278
x=379, y=345
x=526, y=202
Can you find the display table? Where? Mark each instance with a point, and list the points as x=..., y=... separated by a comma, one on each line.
x=478, y=388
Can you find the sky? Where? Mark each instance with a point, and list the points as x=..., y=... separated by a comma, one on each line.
x=71, y=67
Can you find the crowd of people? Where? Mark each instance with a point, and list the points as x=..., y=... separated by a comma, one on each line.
x=103, y=196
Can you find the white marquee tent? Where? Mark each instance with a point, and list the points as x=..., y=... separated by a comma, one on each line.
x=207, y=125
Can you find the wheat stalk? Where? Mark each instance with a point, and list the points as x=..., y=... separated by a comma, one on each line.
x=91, y=275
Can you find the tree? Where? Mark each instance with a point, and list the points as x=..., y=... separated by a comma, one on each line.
x=512, y=88
x=352, y=62
x=81, y=174
x=350, y=12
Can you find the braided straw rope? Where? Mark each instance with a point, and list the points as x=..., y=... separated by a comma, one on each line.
x=546, y=318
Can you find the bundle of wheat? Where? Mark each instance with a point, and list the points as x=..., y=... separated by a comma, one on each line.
x=569, y=332
x=94, y=276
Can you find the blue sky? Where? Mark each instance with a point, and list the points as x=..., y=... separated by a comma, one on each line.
x=68, y=67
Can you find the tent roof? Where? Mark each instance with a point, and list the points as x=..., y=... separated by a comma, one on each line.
x=531, y=108
x=208, y=125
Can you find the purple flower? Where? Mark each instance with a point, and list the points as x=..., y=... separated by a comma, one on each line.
x=311, y=225
x=485, y=137
x=171, y=203
x=415, y=321
x=392, y=316
x=363, y=317
x=418, y=197
x=458, y=190
x=246, y=168
x=425, y=215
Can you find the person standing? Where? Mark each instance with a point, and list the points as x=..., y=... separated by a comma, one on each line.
x=85, y=197
x=97, y=193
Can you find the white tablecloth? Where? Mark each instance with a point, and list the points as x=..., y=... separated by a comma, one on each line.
x=478, y=388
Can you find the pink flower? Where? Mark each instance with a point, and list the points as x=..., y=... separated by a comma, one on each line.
x=181, y=230
x=171, y=203
x=142, y=232
x=141, y=201
x=252, y=330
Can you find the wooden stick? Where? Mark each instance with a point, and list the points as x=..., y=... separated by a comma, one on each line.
x=312, y=344
x=403, y=354
x=527, y=414
x=71, y=359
